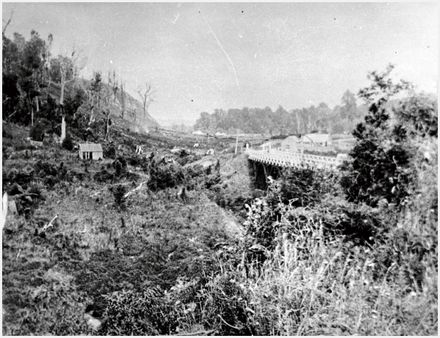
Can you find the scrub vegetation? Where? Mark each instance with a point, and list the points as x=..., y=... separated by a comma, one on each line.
x=173, y=241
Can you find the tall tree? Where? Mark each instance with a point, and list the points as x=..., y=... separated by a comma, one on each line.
x=95, y=92
x=348, y=108
x=62, y=71
x=123, y=103
x=5, y=26
x=203, y=122
x=113, y=83
x=31, y=79
x=380, y=158
x=48, y=58
x=146, y=96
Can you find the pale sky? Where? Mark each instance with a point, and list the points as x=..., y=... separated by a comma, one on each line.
x=202, y=56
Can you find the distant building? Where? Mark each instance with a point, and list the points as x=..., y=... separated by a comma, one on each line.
x=318, y=139
x=291, y=143
x=272, y=144
x=198, y=133
x=90, y=151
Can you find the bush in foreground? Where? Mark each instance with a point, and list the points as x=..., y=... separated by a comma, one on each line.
x=68, y=143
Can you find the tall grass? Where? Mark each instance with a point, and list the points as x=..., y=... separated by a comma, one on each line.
x=330, y=290
x=315, y=279
x=314, y=283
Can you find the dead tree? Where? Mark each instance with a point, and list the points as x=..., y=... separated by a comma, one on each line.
x=69, y=69
x=113, y=84
x=122, y=100
x=146, y=97
x=108, y=123
x=47, y=67
x=5, y=26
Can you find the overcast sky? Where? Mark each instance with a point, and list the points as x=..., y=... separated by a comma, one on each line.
x=200, y=57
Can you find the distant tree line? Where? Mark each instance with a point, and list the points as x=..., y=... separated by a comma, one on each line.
x=321, y=118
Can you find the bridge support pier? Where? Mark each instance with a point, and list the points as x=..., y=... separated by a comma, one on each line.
x=259, y=172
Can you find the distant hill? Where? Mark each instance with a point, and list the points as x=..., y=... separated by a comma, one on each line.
x=133, y=117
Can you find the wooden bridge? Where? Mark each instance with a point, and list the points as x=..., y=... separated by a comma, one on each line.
x=280, y=158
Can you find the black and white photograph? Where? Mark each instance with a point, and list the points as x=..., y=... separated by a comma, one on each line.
x=220, y=169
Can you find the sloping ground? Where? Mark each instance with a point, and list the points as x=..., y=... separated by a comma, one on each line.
x=95, y=248
x=235, y=188
x=134, y=117
x=235, y=173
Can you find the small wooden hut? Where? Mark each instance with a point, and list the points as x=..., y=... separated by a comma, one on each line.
x=90, y=151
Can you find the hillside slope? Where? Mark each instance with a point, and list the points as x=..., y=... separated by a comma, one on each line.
x=98, y=248
x=134, y=118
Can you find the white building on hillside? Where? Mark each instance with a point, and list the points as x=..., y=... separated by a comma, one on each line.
x=272, y=144
x=291, y=143
x=318, y=139
x=90, y=151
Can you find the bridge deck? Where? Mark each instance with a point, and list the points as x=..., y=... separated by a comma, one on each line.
x=289, y=159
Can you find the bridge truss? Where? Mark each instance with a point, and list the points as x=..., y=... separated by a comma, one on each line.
x=282, y=158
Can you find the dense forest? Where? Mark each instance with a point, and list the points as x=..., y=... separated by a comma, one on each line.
x=342, y=118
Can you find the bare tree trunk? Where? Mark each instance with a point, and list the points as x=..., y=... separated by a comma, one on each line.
x=115, y=86
x=146, y=97
x=63, y=84
x=63, y=129
x=91, y=119
x=49, y=47
x=7, y=24
x=37, y=102
x=122, y=100
x=107, y=125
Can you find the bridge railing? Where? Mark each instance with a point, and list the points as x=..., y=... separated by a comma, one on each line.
x=291, y=159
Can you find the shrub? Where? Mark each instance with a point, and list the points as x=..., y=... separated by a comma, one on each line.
x=304, y=186
x=21, y=177
x=212, y=181
x=103, y=176
x=379, y=168
x=419, y=114
x=164, y=176
x=359, y=223
x=109, y=151
x=223, y=303
x=297, y=187
x=118, y=193
x=39, y=129
x=138, y=313
x=136, y=160
x=120, y=165
x=43, y=169
x=68, y=143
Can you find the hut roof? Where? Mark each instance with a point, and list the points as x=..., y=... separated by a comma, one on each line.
x=90, y=147
x=291, y=139
x=317, y=138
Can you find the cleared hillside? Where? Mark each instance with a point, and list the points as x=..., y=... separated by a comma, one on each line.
x=134, y=117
